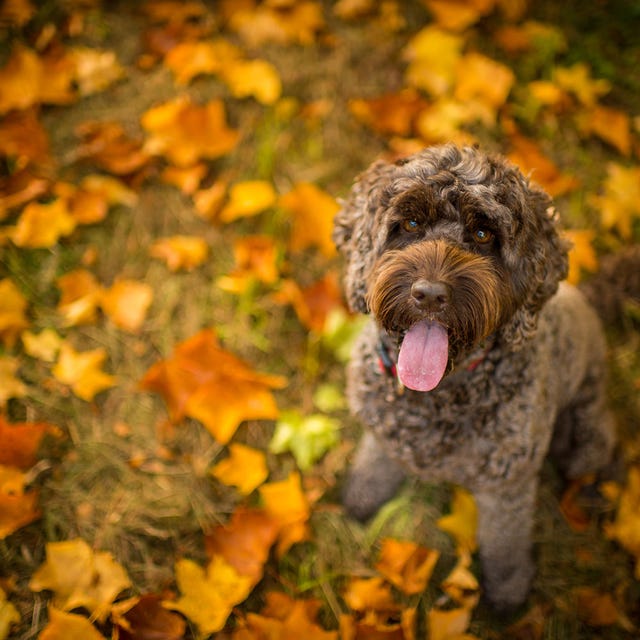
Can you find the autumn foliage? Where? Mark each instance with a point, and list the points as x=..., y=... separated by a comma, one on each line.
x=170, y=303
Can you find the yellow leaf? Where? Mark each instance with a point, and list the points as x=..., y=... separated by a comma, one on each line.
x=457, y=15
x=95, y=69
x=256, y=78
x=366, y=594
x=126, y=303
x=611, y=125
x=180, y=252
x=184, y=132
x=209, y=594
x=256, y=258
x=42, y=346
x=578, y=81
x=441, y=122
x=12, y=312
x=461, y=523
x=9, y=616
x=80, y=297
x=461, y=585
x=248, y=199
x=619, y=205
x=42, y=225
x=312, y=211
x=245, y=468
x=449, y=625
x=81, y=371
x=288, y=505
x=582, y=254
x=17, y=506
x=20, y=80
x=70, y=626
x=189, y=59
x=10, y=385
x=80, y=577
x=406, y=565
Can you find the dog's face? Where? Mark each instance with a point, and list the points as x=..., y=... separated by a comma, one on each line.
x=446, y=248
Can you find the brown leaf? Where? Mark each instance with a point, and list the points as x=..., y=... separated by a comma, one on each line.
x=596, y=608
x=147, y=619
x=20, y=441
x=13, y=307
x=406, y=564
x=24, y=140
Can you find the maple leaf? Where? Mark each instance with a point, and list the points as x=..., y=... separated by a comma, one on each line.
x=190, y=59
x=245, y=541
x=180, y=252
x=19, y=188
x=441, y=122
x=286, y=503
x=449, y=624
x=312, y=211
x=406, y=564
x=13, y=306
x=611, y=125
x=461, y=585
x=596, y=608
x=578, y=81
x=41, y=225
x=458, y=15
x=208, y=594
x=245, y=468
x=24, y=140
x=205, y=382
x=461, y=523
x=582, y=254
x=17, y=506
x=69, y=626
x=9, y=616
x=256, y=258
x=19, y=441
x=95, y=69
x=371, y=594
x=253, y=78
x=208, y=202
x=80, y=577
x=126, y=303
x=187, y=179
x=619, y=205
x=145, y=618
x=81, y=371
x=20, y=80
x=308, y=438
x=433, y=57
x=80, y=296
x=247, y=199
x=10, y=385
x=184, y=132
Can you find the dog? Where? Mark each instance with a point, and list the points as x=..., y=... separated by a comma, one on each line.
x=478, y=360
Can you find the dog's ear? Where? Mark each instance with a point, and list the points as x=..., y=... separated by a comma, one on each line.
x=355, y=229
x=539, y=256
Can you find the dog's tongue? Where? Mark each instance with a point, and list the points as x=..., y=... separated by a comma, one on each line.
x=423, y=356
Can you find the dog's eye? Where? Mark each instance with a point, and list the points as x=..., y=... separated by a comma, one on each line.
x=410, y=225
x=482, y=236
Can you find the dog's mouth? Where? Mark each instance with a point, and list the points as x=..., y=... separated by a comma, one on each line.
x=423, y=356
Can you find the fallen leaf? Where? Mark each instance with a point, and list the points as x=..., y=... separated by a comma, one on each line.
x=42, y=225
x=9, y=616
x=10, y=385
x=20, y=80
x=17, y=13
x=25, y=142
x=286, y=503
x=145, y=618
x=190, y=59
x=20, y=441
x=180, y=252
x=95, y=69
x=611, y=125
x=184, y=132
x=19, y=188
x=449, y=624
x=13, y=306
x=80, y=577
x=245, y=468
x=18, y=507
x=126, y=303
x=461, y=523
x=461, y=585
x=245, y=541
x=248, y=199
x=80, y=297
x=619, y=204
x=256, y=258
x=81, y=370
x=312, y=211
x=69, y=626
x=253, y=78
x=458, y=15
x=373, y=625
x=187, y=179
x=582, y=255
x=578, y=81
x=308, y=438
x=205, y=382
x=208, y=202
x=370, y=594
x=208, y=594
x=406, y=564
x=596, y=608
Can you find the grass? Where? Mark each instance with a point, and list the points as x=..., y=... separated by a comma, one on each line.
x=142, y=491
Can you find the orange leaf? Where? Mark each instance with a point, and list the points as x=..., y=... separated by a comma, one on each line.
x=577, y=80
x=17, y=509
x=248, y=199
x=286, y=503
x=369, y=594
x=596, y=608
x=81, y=371
x=42, y=225
x=184, y=132
x=81, y=293
x=126, y=304
x=256, y=259
x=10, y=385
x=457, y=15
x=245, y=541
x=187, y=179
x=253, y=78
x=13, y=306
x=190, y=59
x=180, y=252
x=20, y=80
x=449, y=625
x=70, y=626
x=25, y=141
x=312, y=211
x=19, y=442
x=611, y=125
x=245, y=468
x=406, y=565
x=582, y=254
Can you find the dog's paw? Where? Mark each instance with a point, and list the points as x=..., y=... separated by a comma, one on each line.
x=506, y=588
x=365, y=491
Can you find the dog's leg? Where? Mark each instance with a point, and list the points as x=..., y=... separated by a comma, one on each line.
x=372, y=480
x=505, y=523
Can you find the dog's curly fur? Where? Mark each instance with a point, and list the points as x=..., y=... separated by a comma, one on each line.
x=526, y=363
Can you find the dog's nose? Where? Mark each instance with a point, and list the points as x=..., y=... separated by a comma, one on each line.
x=430, y=296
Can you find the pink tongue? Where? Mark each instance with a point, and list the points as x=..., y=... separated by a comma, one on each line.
x=423, y=356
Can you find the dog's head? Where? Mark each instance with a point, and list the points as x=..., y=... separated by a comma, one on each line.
x=445, y=248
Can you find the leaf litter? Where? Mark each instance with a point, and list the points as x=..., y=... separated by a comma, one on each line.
x=171, y=306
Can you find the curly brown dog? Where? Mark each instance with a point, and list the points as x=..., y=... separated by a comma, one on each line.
x=458, y=260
